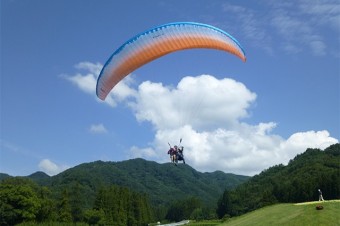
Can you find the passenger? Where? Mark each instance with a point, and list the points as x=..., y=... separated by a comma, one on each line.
x=172, y=154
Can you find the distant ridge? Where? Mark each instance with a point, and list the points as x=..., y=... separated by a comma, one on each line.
x=163, y=183
x=4, y=176
x=38, y=176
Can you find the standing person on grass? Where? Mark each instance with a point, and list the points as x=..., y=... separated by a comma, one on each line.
x=320, y=195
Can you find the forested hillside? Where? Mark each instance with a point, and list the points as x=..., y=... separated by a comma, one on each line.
x=4, y=176
x=137, y=192
x=163, y=183
x=123, y=193
x=299, y=181
x=22, y=200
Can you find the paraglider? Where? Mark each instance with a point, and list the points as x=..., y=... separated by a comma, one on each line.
x=180, y=155
x=176, y=153
x=159, y=41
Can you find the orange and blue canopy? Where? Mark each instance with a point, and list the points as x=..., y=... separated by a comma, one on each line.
x=159, y=41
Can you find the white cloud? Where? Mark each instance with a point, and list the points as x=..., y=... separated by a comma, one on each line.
x=313, y=139
x=98, y=128
x=50, y=167
x=326, y=12
x=214, y=136
x=307, y=25
x=302, y=26
x=202, y=102
x=147, y=153
x=250, y=24
x=246, y=151
x=91, y=67
x=298, y=33
x=87, y=82
x=207, y=113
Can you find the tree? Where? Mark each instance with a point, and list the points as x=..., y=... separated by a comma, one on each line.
x=296, y=182
x=94, y=217
x=122, y=207
x=224, y=205
x=65, y=214
x=47, y=211
x=197, y=214
x=183, y=209
x=76, y=202
x=18, y=201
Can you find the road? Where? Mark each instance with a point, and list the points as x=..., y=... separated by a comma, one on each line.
x=177, y=223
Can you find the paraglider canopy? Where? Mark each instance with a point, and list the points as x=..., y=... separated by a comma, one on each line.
x=156, y=42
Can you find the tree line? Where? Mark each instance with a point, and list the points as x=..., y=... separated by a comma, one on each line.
x=72, y=201
x=22, y=200
x=133, y=192
x=299, y=181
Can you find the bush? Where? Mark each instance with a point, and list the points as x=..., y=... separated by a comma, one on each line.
x=319, y=207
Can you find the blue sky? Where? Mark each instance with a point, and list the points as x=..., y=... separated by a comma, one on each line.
x=233, y=116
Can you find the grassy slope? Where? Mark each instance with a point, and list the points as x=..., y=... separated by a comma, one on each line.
x=281, y=214
x=291, y=214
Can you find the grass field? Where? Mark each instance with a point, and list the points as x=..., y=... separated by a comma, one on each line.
x=299, y=214
x=291, y=214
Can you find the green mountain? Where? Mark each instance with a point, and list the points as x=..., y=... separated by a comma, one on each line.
x=163, y=183
x=38, y=176
x=299, y=181
x=114, y=192
x=4, y=176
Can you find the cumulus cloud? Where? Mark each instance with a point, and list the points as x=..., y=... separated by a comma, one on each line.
x=208, y=113
x=87, y=80
x=50, y=167
x=202, y=102
x=246, y=150
x=209, y=119
x=98, y=128
x=148, y=153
